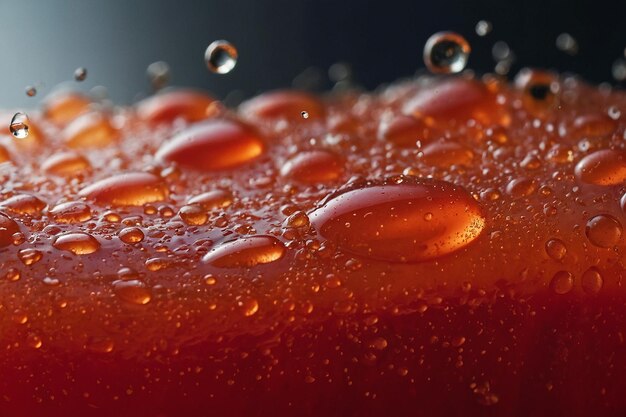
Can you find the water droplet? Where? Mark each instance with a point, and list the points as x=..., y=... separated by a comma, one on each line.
x=521, y=187
x=132, y=291
x=19, y=125
x=404, y=130
x=562, y=282
x=80, y=74
x=131, y=235
x=378, y=343
x=34, y=341
x=619, y=69
x=603, y=167
x=8, y=228
x=65, y=164
x=65, y=106
x=78, y=243
x=31, y=91
x=566, y=43
x=387, y=221
x=167, y=107
x=304, y=114
x=249, y=306
x=614, y=113
x=556, y=249
x=129, y=189
x=193, y=214
x=221, y=57
x=100, y=345
x=158, y=74
x=445, y=154
x=539, y=88
x=92, y=129
x=446, y=52
x=29, y=256
x=71, y=212
x=246, y=252
x=592, y=281
x=24, y=204
x=483, y=28
x=604, y=231
x=313, y=167
x=282, y=104
x=212, y=199
x=213, y=145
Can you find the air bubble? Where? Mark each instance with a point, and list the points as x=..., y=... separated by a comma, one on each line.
x=446, y=52
x=31, y=91
x=221, y=57
x=19, y=125
x=80, y=74
x=483, y=28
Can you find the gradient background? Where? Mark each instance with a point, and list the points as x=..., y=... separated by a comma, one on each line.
x=42, y=42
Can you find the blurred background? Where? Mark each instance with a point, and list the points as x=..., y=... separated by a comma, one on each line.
x=43, y=42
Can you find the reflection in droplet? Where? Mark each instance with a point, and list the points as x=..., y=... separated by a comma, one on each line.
x=19, y=125
x=221, y=57
x=446, y=52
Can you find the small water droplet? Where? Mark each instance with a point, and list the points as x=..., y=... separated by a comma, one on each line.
x=249, y=306
x=446, y=52
x=19, y=125
x=483, y=27
x=78, y=243
x=131, y=235
x=603, y=167
x=132, y=291
x=592, y=281
x=221, y=57
x=80, y=74
x=566, y=43
x=614, y=113
x=246, y=252
x=556, y=249
x=619, y=69
x=562, y=282
x=304, y=114
x=29, y=256
x=313, y=167
x=31, y=91
x=604, y=231
x=158, y=74
x=71, y=212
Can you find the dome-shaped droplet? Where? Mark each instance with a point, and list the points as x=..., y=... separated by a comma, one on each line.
x=404, y=130
x=24, y=204
x=66, y=164
x=132, y=291
x=556, y=249
x=78, y=243
x=29, y=256
x=221, y=57
x=446, y=52
x=8, y=228
x=166, y=107
x=213, y=145
x=604, y=231
x=282, y=104
x=193, y=214
x=71, y=212
x=212, y=199
x=445, y=154
x=65, y=106
x=313, y=167
x=19, y=125
x=90, y=130
x=246, y=252
x=131, y=235
x=130, y=189
x=387, y=221
x=80, y=74
x=603, y=167
x=592, y=281
x=562, y=282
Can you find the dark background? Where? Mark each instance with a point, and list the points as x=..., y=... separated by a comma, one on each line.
x=42, y=42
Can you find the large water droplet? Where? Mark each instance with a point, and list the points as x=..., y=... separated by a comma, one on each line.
x=388, y=221
x=24, y=204
x=90, y=130
x=212, y=199
x=603, y=167
x=556, y=249
x=65, y=164
x=131, y=235
x=445, y=154
x=71, y=212
x=246, y=252
x=213, y=145
x=221, y=57
x=78, y=243
x=166, y=107
x=604, y=231
x=446, y=52
x=130, y=189
x=313, y=167
x=19, y=125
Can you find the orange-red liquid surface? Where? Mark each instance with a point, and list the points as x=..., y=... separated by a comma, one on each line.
x=442, y=247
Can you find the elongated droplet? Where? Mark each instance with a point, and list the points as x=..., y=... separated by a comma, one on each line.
x=130, y=189
x=246, y=252
x=313, y=167
x=415, y=220
x=132, y=291
x=166, y=107
x=78, y=243
x=66, y=164
x=71, y=212
x=603, y=167
x=212, y=199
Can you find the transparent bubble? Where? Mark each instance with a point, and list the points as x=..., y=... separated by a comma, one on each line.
x=221, y=57
x=483, y=27
x=31, y=91
x=19, y=125
x=614, y=113
x=619, y=70
x=446, y=52
x=80, y=74
x=158, y=74
x=566, y=43
x=304, y=114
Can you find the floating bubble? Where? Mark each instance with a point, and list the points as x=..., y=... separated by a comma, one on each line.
x=221, y=57
x=614, y=113
x=80, y=74
x=446, y=52
x=31, y=91
x=304, y=114
x=19, y=125
x=619, y=69
x=159, y=74
x=566, y=43
x=483, y=28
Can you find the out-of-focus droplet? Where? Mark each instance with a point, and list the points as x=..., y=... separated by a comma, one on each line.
x=132, y=291
x=249, y=306
x=562, y=282
x=313, y=167
x=166, y=107
x=566, y=43
x=444, y=154
x=446, y=52
x=129, y=189
x=603, y=167
x=158, y=74
x=78, y=243
x=592, y=281
x=65, y=106
x=388, y=221
x=246, y=252
x=66, y=164
x=80, y=74
x=90, y=130
x=8, y=228
x=604, y=231
x=19, y=125
x=221, y=57
x=24, y=204
x=614, y=113
x=31, y=91
x=282, y=104
x=483, y=28
x=304, y=114
x=539, y=88
x=556, y=249
x=619, y=69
